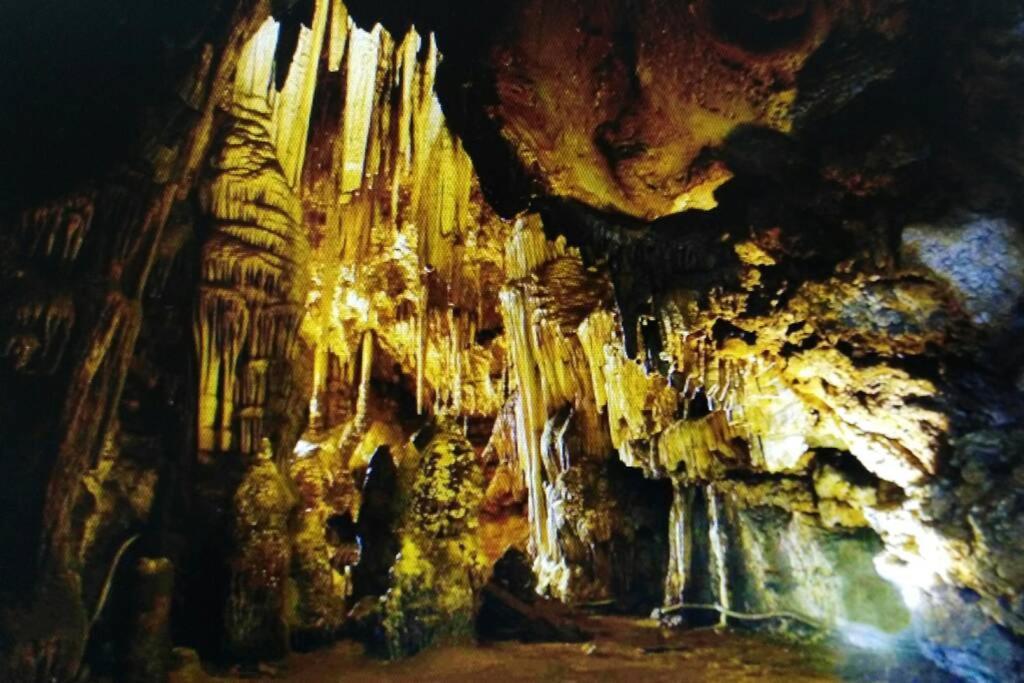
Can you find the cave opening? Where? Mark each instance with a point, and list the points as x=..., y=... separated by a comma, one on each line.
x=545, y=339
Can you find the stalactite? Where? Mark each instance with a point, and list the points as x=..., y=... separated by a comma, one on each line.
x=219, y=330
x=59, y=229
x=365, y=372
x=549, y=299
x=321, y=362
x=399, y=202
x=595, y=333
x=38, y=320
x=421, y=350
x=357, y=426
x=338, y=35
x=797, y=355
x=360, y=83
x=531, y=415
x=406, y=107
x=376, y=165
x=292, y=118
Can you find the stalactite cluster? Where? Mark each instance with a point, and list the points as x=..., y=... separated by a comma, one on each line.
x=403, y=241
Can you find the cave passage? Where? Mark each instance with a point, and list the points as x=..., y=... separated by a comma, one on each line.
x=537, y=340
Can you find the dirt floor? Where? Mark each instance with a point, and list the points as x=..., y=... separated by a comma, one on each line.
x=623, y=649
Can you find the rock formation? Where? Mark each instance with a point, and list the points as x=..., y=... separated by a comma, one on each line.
x=325, y=307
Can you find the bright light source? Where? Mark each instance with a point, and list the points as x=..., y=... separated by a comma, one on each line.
x=304, y=448
x=865, y=636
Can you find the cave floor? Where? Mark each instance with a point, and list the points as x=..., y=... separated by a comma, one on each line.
x=623, y=649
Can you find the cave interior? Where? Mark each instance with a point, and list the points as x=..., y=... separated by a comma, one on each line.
x=537, y=339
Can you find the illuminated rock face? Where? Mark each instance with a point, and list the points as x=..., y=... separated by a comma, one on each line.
x=579, y=519
x=403, y=244
x=254, y=261
x=319, y=573
x=837, y=390
x=628, y=106
x=760, y=549
x=433, y=596
x=766, y=408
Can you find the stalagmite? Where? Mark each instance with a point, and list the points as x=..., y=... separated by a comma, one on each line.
x=492, y=281
x=679, y=545
x=718, y=546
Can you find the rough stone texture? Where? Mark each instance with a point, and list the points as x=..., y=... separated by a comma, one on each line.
x=256, y=619
x=780, y=560
x=322, y=582
x=760, y=549
x=629, y=106
x=148, y=656
x=956, y=633
x=98, y=239
x=980, y=517
x=980, y=258
x=435, y=583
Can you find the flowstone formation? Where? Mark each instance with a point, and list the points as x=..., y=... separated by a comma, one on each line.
x=253, y=260
x=805, y=447
x=78, y=257
x=576, y=514
x=404, y=245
